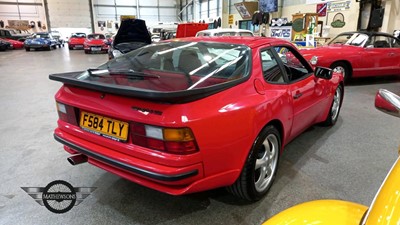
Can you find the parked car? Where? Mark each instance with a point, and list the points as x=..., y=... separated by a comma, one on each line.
x=95, y=43
x=4, y=45
x=224, y=32
x=384, y=208
x=14, y=44
x=109, y=37
x=166, y=34
x=76, y=41
x=168, y=115
x=131, y=35
x=40, y=40
x=358, y=54
x=57, y=35
x=12, y=34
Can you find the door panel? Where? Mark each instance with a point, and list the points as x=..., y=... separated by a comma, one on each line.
x=309, y=100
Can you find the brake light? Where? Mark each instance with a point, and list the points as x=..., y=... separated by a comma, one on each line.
x=66, y=113
x=171, y=140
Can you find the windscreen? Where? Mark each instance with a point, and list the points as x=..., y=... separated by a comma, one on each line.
x=174, y=66
x=96, y=36
x=78, y=35
x=355, y=39
x=43, y=35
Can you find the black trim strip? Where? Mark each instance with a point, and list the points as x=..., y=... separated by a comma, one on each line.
x=124, y=166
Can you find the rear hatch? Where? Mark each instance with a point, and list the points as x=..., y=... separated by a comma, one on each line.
x=169, y=72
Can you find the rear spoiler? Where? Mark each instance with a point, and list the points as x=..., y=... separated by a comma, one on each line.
x=175, y=97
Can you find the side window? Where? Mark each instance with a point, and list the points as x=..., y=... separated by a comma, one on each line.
x=394, y=43
x=295, y=68
x=2, y=33
x=270, y=67
x=381, y=42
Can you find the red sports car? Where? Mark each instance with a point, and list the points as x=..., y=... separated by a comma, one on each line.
x=95, y=43
x=193, y=114
x=76, y=41
x=358, y=54
x=15, y=44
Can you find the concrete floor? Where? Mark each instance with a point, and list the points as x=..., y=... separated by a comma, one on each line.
x=348, y=161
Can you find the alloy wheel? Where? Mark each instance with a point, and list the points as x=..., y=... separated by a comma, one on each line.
x=266, y=162
x=336, y=104
x=340, y=69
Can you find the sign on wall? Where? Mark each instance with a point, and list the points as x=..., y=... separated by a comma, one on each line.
x=338, y=6
x=321, y=9
x=230, y=19
x=19, y=24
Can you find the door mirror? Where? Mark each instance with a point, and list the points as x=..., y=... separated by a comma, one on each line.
x=387, y=102
x=323, y=72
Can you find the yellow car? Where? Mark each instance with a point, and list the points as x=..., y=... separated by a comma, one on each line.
x=385, y=208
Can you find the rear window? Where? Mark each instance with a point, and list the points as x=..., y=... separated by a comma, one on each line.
x=172, y=72
x=175, y=66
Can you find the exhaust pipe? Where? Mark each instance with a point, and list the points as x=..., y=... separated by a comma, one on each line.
x=77, y=159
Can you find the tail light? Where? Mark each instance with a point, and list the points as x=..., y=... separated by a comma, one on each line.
x=171, y=140
x=67, y=113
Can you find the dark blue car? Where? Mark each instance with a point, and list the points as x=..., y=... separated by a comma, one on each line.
x=41, y=40
x=4, y=45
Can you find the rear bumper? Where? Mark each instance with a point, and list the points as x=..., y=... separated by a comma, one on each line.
x=127, y=167
x=170, y=179
x=175, y=178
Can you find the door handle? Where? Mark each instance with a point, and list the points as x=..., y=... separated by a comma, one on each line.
x=297, y=95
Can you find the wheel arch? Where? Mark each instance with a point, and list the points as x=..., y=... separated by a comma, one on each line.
x=347, y=63
x=279, y=126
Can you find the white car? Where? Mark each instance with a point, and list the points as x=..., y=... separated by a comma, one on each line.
x=224, y=32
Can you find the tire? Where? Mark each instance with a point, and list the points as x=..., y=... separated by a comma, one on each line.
x=27, y=49
x=344, y=68
x=86, y=52
x=70, y=48
x=260, y=167
x=335, y=107
x=48, y=48
x=54, y=47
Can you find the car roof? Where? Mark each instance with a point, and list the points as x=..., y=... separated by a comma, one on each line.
x=252, y=42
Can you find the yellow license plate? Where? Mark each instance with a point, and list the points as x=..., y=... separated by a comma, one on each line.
x=104, y=126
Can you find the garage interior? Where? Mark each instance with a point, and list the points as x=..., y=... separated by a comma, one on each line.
x=348, y=161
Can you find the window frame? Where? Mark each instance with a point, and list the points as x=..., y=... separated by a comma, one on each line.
x=279, y=63
x=297, y=54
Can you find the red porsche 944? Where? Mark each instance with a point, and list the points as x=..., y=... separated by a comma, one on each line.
x=193, y=114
